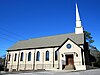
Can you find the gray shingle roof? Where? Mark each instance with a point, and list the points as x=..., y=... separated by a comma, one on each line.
x=49, y=41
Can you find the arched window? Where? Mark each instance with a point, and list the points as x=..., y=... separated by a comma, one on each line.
x=56, y=55
x=38, y=56
x=15, y=56
x=22, y=56
x=47, y=55
x=29, y=56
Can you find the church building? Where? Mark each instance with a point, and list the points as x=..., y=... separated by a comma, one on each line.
x=59, y=52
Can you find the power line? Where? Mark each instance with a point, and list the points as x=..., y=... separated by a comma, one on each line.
x=7, y=39
x=9, y=36
x=17, y=35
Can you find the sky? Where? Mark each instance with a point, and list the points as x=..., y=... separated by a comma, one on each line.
x=25, y=19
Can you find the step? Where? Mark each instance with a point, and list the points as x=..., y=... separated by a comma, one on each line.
x=69, y=67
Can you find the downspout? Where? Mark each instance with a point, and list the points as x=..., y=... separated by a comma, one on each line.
x=53, y=57
x=34, y=60
x=84, y=52
x=82, y=57
x=18, y=61
x=43, y=61
x=58, y=59
x=25, y=60
x=6, y=61
x=12, y=61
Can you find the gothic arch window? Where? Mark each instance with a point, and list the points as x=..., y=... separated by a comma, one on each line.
x=22, y=56
x=38, y=56
x=29, y=56
x=56, y=55
x=47, y=55
x=15, y=57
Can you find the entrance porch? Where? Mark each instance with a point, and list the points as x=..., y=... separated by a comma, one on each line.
x=69, y=62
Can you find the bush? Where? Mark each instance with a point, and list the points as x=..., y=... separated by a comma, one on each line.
x=1, y=68
x=97, y=64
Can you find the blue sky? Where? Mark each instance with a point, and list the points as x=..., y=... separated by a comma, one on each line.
x=24, y=19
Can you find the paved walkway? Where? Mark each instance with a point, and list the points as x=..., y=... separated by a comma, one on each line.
x=87, y=72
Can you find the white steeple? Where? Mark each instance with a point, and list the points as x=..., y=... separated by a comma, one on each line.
x=79, y=28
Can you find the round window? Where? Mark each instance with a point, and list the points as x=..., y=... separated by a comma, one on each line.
x=68, y=46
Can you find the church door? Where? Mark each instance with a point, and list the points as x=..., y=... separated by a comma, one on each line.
x=69, y=60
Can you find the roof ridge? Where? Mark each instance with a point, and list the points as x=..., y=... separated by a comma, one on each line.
x=46, y=36
x=51, y=36
x=55, y=40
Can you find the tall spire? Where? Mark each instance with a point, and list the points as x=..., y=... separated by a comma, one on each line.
x=79, y=28
x=77, y=13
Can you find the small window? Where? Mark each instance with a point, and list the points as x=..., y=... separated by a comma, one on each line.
x=56, y=55
x=68, y=46
x=22, y=55
x=38, y=56
x=15, y=56
x=29, y=56
x=47, y=55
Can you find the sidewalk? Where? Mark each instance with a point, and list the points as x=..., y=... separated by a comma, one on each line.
x=41, y=71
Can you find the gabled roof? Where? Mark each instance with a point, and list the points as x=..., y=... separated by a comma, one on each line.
x=49, y=41
x=71, y=41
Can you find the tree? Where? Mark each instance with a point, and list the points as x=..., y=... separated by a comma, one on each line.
x=95, y=53
x=2, y=64
x=88, y=37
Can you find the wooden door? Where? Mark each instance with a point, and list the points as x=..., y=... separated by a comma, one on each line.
x=69, y=60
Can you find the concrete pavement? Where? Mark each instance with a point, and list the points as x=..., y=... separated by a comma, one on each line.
x=87, y=72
